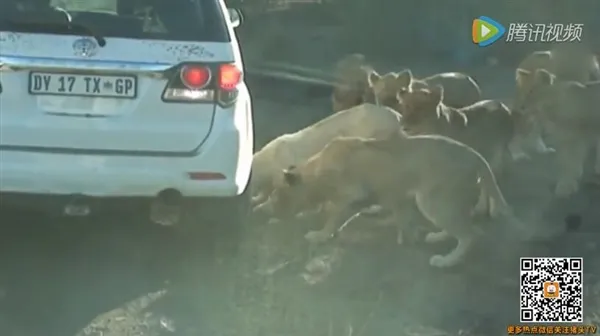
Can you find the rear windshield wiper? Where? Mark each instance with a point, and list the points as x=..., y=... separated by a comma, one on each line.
x=89, y=31
x=40, y=26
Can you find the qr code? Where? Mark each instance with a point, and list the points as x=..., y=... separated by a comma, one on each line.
x=551, y=290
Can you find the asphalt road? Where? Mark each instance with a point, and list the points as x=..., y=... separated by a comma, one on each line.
x=107, y=276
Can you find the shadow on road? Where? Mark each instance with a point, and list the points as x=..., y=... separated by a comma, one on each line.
x=59, y=274
x=68, y=277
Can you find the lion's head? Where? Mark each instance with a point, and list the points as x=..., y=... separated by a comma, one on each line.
x=532, y=89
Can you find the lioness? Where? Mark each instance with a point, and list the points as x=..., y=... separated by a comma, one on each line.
x=569, y=115
x=488, y=126
x=350, y=82
x=443, y=176
x=367, y=120
x=568, y=62
x=460, y=89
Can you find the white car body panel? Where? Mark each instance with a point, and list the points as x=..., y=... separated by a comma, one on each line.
x=228, y=150
x=144, y=123
x=96, y=146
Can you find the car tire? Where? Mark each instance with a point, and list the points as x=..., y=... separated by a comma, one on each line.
x=218, y=223
x=201, y=259
x=210, y=232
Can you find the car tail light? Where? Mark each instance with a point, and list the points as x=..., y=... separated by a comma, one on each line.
x=195, y=77
x=230, y=76
x=198, y=83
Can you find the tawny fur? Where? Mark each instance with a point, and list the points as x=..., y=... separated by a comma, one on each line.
x=443, y=177
x=367, y=120
x=488, y=126
x=566, y=62
x=350, y=82
x=568, y=114
x=460, y=89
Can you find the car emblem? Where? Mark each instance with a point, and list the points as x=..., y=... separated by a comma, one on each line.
x=85, y=47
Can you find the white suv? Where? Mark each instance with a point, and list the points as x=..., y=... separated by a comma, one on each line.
x=136, y=100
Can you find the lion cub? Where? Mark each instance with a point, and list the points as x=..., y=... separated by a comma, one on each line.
x=568, y=114
x=443, y=176
x=566, y=61
x=350, y=82
x=487, y=126
x=460, y=89
x=366, y=120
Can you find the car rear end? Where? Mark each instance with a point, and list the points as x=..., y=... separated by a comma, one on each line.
x=135, y=101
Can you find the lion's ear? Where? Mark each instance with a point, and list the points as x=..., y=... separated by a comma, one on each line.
x=291, y=176
x=522, y=76
x=373, y=77
x=544, y=77
x=404, y=78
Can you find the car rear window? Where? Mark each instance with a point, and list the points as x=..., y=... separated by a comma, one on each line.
x=177, y=20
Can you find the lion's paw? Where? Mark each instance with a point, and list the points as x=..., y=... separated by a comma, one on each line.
x=520, y=156
x=482, y=206
x=566, y=188
x=546, y=150
x=540, y=147
x=372, y=210
x=301, y=215
x=400, y=237
x=436, y=237
x=441, y=261
x=317, y=237
x=257, y=199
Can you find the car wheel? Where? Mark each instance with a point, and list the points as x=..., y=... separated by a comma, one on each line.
x=209, y=232
x=217, y=223
x=199, y=257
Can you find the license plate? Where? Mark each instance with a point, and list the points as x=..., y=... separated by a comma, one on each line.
x=101, y=86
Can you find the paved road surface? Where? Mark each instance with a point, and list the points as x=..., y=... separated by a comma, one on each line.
x=62, y=277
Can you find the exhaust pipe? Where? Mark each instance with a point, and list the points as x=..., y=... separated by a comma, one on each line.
x=167, y=208
x=77, y=207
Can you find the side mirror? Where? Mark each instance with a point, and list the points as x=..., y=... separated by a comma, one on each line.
x=236, y=17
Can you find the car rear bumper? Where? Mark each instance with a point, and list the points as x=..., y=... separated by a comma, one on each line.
x=220, y=169
x=56, y=204
x=61, y=174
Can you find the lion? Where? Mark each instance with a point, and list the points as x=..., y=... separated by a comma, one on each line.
x=350, y=82
x=365, y=120
x=569, y=116
x=488, y=126
x=460, y=89
x=443, y=177
x=568, y=62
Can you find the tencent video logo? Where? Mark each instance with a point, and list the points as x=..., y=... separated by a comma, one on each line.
x=486, y=31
